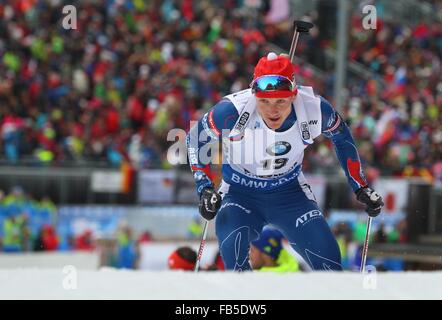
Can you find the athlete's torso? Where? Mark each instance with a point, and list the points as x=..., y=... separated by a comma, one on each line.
x=264, y=159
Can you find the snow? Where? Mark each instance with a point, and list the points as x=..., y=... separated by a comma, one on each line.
x=107, y=283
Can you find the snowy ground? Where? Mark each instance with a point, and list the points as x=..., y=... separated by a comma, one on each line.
x=123, y=284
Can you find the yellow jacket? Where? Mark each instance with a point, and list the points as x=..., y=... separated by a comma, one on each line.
x=285, y=263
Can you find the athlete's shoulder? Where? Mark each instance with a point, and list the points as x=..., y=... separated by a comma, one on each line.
x=223, y=115
x=330, y=117
x=224, y=107
x=326, y=107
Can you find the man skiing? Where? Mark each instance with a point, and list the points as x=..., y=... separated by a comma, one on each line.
x=264, y=131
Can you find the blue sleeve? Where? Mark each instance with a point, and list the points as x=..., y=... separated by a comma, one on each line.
x=334, y=128
x=208, y=129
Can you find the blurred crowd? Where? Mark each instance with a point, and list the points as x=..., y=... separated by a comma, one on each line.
x=351, y=237
x=28, y=224
x=115, y=86
x=132, y=70
x=396, y=115
x=34, y=225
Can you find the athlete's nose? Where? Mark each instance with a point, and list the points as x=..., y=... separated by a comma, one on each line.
x=273, y=112
x=273, y=109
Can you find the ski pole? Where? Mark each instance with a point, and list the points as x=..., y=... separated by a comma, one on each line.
x=299, y=27
x=202, y=244
x=365, y=248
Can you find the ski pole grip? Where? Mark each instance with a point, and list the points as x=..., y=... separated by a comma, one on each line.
x=302, y=26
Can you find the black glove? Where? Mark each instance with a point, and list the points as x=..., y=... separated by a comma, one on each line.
x=210, y=201
x=372, y=199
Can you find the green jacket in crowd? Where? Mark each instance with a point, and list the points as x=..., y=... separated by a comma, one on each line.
x=285, y=263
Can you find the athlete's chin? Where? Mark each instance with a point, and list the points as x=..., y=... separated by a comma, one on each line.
x=274, y=123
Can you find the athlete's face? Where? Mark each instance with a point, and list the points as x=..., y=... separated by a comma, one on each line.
x=274, y=110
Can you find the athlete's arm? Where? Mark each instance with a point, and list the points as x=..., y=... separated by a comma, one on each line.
x=337, y=130
x=334, y=127
x=208, y=130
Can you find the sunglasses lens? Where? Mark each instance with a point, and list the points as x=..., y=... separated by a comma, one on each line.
x=272, y=83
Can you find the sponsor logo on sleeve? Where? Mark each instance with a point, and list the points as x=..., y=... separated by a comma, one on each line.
x=193, y=157
x=212, y=124
x=304, y=131
x=209, y=131
x=242, y=121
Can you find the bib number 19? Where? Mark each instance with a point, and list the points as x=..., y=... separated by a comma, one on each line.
x=274, y=164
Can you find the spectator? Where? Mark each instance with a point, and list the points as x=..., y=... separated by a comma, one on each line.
x=183, y=258
x=85, y=241
x=12, y=235
x=268, y=255
x=218, y=264
x=49, y=206
x=194, y=230
x=145, y=237
x=49, y=238
x=127, y=253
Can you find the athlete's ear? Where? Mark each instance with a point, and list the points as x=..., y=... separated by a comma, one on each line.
x=285, y=55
